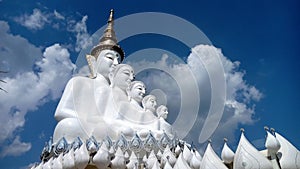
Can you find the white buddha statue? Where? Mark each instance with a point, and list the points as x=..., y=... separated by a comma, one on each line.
x=84, y=97
x=149, y=104
x=120, y=77
x=131, y=109
x=163, y=125
x=136, y=92
x=147, y=119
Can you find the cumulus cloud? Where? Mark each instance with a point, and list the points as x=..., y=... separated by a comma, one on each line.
x=82, y=36
x=40, y=19
x=79, y=29
x=45, y=82
x=239, y=96
x=16, y=148
x=176, y=83
x=34, y=21
x=16, y=53
x=239, y=106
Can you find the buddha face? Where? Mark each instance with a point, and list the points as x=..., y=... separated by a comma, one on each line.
x=122, y=76
x=149, y=103
x=106, y=59
x=162, y=111
x=137, y=91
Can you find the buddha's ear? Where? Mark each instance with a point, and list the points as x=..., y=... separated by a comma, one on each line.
x=111, y=77
x=91, y=60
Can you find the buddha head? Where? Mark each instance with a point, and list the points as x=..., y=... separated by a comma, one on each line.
x=162, y=111
x=136, y=91
x=107, y=53
x=121, y=76
x=149, y=103
x=106, y=60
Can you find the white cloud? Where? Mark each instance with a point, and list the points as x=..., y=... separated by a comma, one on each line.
x=58, y=15
x=16, y=148
x=82, y=36
x=39, y=86
x=34, y=21
x=240, y=96
x=16, y=53
x=40, y=19
x=175, y=83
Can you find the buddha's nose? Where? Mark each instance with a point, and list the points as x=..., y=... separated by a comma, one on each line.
x=116, y=61
x=132, y=76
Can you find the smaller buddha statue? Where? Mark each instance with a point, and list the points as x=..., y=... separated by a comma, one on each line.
x=149, y=104
x=162, y=113
x=120, y=77
x=136, y=92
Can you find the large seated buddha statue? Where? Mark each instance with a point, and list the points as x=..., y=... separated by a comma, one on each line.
x=108, y=102
x=85, y=97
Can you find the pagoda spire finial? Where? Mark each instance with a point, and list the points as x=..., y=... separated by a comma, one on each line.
x=108, y=39
x=111, y=15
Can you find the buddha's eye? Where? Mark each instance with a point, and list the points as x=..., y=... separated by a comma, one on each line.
x=110, y=56
x=126, y=73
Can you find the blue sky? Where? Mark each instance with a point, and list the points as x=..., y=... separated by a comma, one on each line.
x=259, y=39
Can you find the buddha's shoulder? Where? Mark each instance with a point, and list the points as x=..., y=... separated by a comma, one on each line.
x=80, y=79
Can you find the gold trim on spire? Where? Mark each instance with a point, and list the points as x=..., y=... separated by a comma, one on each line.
x=111, y=15
x=108, y=39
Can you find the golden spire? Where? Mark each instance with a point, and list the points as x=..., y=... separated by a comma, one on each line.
x=108, y=39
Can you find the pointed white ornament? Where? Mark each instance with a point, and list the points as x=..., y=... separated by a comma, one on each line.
x=151, y=160
x=289, y=156
x=57, y=162
x=199, y=157
x=102, y=157
x=211, y=160
x=168, y=156
x=272, y=144
x=195, y=162
x=156, y=165
x=40, y=166
x=68, y=161
x=126, y=156
x=159, y=155
x=227, y=154
x=167, y=165
x=133, y=161
x=48, y=164
x=177, y=150
x=247, y=156
x=187, y=154
x=181, y=163
x=119, y=161
x=81, y=157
